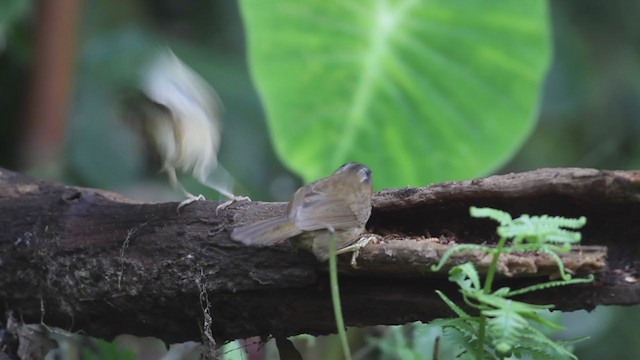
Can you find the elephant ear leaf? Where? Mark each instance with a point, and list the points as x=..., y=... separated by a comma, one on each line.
x=419, y=91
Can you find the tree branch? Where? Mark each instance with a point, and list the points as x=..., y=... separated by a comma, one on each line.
x=102, y=263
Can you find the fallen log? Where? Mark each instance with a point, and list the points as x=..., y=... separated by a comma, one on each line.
x=91, y=260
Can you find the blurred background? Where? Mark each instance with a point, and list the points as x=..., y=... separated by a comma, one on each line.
x=65, y=66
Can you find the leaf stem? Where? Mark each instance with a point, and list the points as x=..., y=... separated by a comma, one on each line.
x=488, y=284
x=335, y=297
x=481, y=337
x=491, y=272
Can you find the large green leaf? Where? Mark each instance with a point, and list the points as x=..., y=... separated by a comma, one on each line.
x=420, y=91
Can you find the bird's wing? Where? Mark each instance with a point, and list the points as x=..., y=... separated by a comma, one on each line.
x=267, y=232
x=313, y=209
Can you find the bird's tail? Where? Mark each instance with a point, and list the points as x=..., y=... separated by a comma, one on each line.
x=267, y=232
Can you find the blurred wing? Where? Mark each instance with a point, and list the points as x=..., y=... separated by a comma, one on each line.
x=267, y=232
x=321, y=210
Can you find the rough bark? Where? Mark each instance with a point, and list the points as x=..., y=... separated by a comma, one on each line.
x=98, y=262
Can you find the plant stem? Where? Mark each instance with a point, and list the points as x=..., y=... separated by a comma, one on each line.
x=335, y=297
x=481, y=337
x=488, y=284
x=488, y=281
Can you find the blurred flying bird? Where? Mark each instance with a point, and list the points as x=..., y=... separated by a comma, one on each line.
x=179, y=113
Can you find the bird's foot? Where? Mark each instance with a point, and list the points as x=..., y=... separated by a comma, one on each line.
x=191, y=199
x=355, y=248
x=232, y=200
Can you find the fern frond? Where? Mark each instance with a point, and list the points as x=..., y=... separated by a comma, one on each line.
x=466, y=276
x=542, y=230
x=456, y=309
x=502, y=292
x=464, y=335
x=563, y=222
x=506, y=324
x=498, y=302
x=538, y=318
x=551, y=284
x=458, y=248
x=534, y=339
x=500, y=216
x=504, y=328
x=556, y=258
x=466, y=328
x=521, y=352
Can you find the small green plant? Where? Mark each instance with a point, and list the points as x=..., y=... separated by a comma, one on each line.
x=503, y=327
x=335, y=298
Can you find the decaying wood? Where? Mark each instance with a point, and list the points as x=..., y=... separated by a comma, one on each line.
x=97, y=262
x=413, y=256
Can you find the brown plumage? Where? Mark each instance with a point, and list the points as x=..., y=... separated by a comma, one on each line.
x=337, y=205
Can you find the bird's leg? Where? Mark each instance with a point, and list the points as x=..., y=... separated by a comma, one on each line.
x=173, y=179
x=355, y=248
x=224, y=192
x=192, y=198
x=231, y=200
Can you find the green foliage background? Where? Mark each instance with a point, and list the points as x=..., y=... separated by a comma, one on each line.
x=413, y=89
x=589, y=115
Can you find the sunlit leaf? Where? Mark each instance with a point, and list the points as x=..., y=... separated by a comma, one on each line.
x=420, y=91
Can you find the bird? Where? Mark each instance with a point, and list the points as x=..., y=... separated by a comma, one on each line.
x=336, y=206
x=179, y=113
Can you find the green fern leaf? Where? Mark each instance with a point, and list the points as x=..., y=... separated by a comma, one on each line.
x=551, y=284
x=534, y=339
x=466, y=276
x=458, y=310
x=504, y=326
x=500, y=216
x=459, y=248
